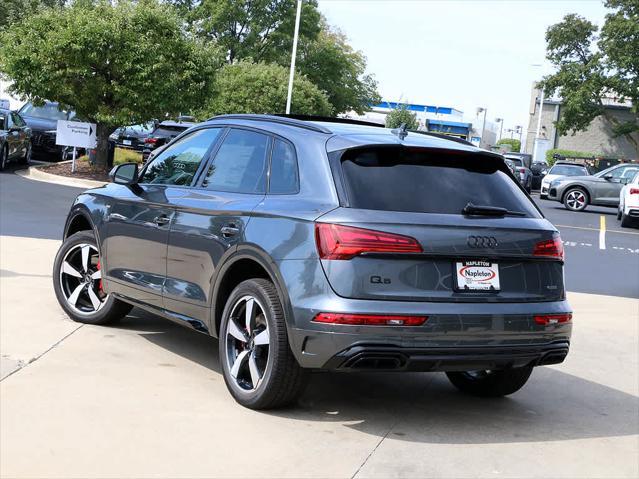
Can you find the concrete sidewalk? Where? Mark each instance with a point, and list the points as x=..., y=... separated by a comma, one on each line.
x=146, y=399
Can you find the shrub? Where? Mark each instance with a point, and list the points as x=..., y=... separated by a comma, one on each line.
x=514, y=143
x=550, y=159
x=401, y=115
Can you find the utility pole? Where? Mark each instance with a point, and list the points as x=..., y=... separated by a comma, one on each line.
x=293, y=56
x=537, y=133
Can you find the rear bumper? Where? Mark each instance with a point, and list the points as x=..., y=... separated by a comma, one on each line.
x=390, y=358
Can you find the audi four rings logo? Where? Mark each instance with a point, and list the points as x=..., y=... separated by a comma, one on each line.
x=482, y=242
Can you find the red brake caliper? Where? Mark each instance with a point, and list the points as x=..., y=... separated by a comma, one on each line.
x=100, y=283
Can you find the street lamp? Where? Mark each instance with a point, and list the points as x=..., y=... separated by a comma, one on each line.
x=501, y=125
x=293, y=55
x=483, y=126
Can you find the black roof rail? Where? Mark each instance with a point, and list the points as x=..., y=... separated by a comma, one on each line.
x=331, y=119
x=442, y=136
x=275, y=119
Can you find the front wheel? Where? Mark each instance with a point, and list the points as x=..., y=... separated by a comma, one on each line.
x=576, y=199
x=27, y=156
x=490, y=383
x=4, y=158
x=259, y=368
x=77, y=282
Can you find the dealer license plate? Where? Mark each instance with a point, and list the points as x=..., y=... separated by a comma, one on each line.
x=477, y=275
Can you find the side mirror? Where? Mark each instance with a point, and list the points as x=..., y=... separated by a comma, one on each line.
x=608, y=177
x=124, y=174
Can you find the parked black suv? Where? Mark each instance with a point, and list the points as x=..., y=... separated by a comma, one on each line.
x=310, y=245
x=43, y=121
x=162, y=134
x=15, y=139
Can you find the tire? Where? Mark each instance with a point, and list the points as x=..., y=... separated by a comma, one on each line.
x=619, y=214
x=576, y=199
x=259, y=368
x=4, y=158
x=77, y=295
x=490, y=383
x=626, y=221
x=27, y=156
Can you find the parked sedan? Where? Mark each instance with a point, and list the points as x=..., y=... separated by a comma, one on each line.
x=628, y=211
x=601, y=189
x=132, y=137
x=559, y=169
x=15, y=138
x=43, y=121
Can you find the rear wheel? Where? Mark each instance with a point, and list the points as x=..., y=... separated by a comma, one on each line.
x=626, y=221
x=27, y=156
x=259, y=368
x=576, y=199
x=77, y=281
x=490, y=383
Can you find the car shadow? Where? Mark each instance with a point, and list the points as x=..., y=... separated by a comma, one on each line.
x=425, y=407
x=612, y=211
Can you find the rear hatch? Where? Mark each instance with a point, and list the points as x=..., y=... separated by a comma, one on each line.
x=436, y=225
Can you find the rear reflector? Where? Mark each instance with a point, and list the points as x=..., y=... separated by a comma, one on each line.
x=546, y=319
x=345, y=242
x=151, y=141
x=634, y=191
x=369, y=319
x=552, y=248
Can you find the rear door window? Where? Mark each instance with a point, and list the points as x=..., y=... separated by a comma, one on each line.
x=283, y=179
x=444, y=182
x=240, y=164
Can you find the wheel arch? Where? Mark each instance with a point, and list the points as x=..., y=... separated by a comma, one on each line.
x=78, y=220
x=578, y=186
x=246, y=263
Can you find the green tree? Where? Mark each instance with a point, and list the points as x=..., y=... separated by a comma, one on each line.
x=515, y=144
x=245, y=87
x=400, y=116
x=591, y=67
x=332, y=64
x=262, y=31
x=12, y=11
x=114, y=64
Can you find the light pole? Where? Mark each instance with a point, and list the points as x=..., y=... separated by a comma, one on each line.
x=519, y=129
x=501, y=126
x=293, y=55
x=483, y=125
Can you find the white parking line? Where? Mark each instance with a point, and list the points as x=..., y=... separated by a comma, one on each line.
x=602, y=232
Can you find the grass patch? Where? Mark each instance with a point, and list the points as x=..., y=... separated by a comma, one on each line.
x=122, y=155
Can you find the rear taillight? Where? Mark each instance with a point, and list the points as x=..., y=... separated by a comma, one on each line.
x=370, y=319
x=522, y=170
x=634, y=191
x=150, y=141
x=552, y=248
x=546, y=319
x=345, y=242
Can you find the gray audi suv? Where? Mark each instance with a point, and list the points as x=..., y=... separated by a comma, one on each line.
x=325, y=245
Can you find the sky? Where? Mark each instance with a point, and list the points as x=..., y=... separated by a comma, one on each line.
x=462, y=54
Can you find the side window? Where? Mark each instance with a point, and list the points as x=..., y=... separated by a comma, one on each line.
x=283, y=179
x=178, y=164
x=629, y=172
x=17, y=120
x=3, y=122
x=618, y=172
x=240, y=164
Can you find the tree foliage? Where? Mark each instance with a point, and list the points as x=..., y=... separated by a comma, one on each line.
x=515, y=144
x=245, y=87
x=400, y=116
x=12, y=11
x=591, y=66
x=114, y=64
x=262, y=31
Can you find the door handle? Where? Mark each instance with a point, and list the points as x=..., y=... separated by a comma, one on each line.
x=230, y=230
x=161, y=220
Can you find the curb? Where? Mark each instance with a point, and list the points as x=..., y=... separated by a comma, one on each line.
x=35, y=173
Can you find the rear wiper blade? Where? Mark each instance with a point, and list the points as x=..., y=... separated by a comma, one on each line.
x=480, y=210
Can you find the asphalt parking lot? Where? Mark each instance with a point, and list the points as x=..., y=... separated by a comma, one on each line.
x=146, y=398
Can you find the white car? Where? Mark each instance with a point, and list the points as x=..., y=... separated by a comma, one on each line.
x=559, y=169
x=628, y=211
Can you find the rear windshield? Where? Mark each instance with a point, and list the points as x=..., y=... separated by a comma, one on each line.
x=516, y=161
x=165, y=130
x=568, y=170
x=437, y=181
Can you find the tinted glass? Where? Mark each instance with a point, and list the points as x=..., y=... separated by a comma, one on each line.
x=394, y=180
x=171, y=131
x=240, y=164
x=3, y=122
x=17, y=120
x=567, y=170
x=178, y=163
x=629, y=172
x=283, y=179
x=516, y=161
